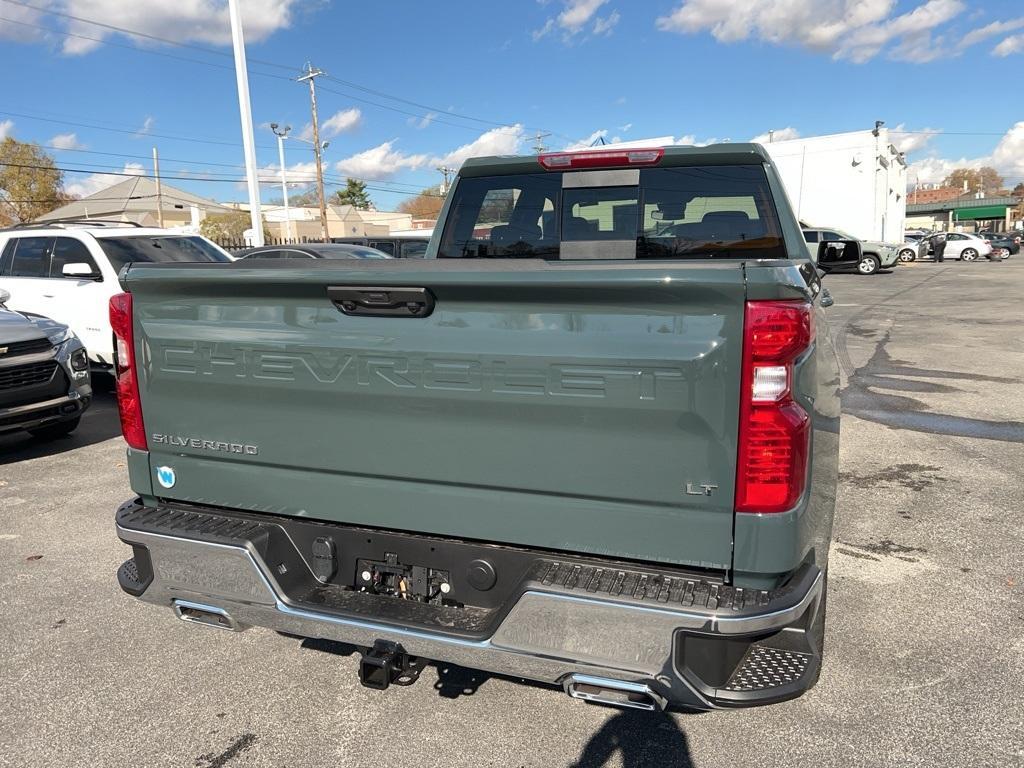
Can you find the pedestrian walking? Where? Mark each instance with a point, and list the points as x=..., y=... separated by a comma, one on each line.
x=939, y=247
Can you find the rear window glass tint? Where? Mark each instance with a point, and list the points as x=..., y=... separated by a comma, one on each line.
x=414, y=250
x=127, y=250
x=67, y=250
x=31, y=257
x=672, y=213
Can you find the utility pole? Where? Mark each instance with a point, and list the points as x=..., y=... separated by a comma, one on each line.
x=310, y=76
x=159, y=191
x=245, y=110
x=538, y=145
x=446, y=172
x=282, y=134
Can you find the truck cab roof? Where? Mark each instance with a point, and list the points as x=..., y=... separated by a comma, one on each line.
x=673, y=155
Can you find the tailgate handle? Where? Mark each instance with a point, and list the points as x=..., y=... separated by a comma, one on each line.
x=382, y=301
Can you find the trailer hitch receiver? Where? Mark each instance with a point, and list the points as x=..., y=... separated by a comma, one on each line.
x=386, y=663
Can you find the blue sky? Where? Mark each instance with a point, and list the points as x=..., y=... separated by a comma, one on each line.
x=484, y=76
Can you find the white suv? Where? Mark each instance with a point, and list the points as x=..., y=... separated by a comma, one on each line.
x=68, y=271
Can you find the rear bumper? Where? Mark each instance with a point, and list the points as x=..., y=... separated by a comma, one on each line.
x=720, y=647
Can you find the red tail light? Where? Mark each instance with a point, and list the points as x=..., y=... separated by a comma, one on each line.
x=128, y=403
x=605, y=158
x=774, y=430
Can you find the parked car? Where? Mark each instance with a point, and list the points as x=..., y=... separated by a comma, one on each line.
x=907, y=250
x=959, y=245
x=44, y=374
x=616, y=475
x=874, y=255
x=68, y=271
x=1015, y=235
x=313, y=251
x=1002, y=242
x=399, y=247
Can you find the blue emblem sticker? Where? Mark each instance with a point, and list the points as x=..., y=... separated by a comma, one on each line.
x=165, y=476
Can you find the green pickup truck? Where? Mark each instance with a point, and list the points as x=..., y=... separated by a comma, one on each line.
x=591, y=439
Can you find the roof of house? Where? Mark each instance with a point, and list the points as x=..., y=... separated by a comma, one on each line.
x=130, y=199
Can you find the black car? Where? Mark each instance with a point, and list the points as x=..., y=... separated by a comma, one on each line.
x=399, y=247
x=44, y=374
x=313, y=251
x=1008, y=241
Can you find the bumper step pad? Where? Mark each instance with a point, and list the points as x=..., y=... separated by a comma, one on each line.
x=766, y=668
x=649, y=587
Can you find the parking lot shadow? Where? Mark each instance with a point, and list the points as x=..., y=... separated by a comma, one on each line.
x=644, y=739
x=100, y=422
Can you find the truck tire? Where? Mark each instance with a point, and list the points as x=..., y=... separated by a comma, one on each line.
x=52, y=431
x=868, y=265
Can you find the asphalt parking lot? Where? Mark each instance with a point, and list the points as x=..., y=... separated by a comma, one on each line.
x=924, y=652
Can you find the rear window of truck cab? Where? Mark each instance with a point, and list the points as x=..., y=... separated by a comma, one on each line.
x=690, y=212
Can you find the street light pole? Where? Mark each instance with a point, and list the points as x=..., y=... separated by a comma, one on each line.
x=245, y=110
x=282, y=134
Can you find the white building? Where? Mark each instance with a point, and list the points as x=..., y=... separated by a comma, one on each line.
x=854, y=181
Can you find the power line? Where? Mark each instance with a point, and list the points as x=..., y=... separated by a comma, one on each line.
x=385, y=95
x=149, y=51
x=136, y=33
x=432, y=117
x=132, y=132
x=210, y=179
x=203, y=164
x=215, y=52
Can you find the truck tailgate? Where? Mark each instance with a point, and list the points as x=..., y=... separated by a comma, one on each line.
x=577, y=407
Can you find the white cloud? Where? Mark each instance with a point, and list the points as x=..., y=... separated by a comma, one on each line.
x=780, y=134
x=97, y=182
x=6, y=128
x=66, y=141
x=588, y=141
x=1007, y=158
x=12, y=30
x=147, y=126
x=976, y=36
x=908, y=141
x=574, y=17
x=537, y=34
x=180, y=20
x=605, y=25
x=625, y=128
x=385, y=160
x=298, y=175
x=857, y=30
x=340, y=122
x=1012, y=44
x=379, y=162
x=505, y=140
x=692, y=141
x=422, y=122
x=577, y=13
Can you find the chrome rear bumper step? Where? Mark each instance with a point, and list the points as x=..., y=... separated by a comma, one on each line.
x=615, y=650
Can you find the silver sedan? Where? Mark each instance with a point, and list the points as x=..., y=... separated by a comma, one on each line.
x=959, y=245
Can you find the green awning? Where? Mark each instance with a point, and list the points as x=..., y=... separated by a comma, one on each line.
x=981, y=212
